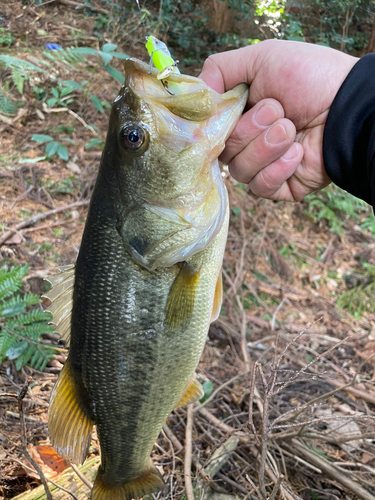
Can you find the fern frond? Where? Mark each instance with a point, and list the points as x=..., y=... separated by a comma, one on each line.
x=21, y=329
x=11, y=281
x=69, y=56
x=33, y=316
x=20, y=64
x=7, y=106
x=18, y=79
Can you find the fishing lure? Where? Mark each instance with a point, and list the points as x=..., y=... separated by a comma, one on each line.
x=160, y=57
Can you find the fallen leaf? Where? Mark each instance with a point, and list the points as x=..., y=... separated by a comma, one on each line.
x=49, y=461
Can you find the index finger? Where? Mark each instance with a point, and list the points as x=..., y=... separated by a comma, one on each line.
x=225, y=70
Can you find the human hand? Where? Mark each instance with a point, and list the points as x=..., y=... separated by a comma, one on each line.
x=276, y=146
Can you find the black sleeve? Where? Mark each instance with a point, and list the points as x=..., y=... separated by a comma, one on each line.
x=349, y=134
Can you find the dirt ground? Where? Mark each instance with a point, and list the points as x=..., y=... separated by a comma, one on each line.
x=292, y=372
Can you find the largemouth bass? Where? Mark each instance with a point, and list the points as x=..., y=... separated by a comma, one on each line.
x=147, y=281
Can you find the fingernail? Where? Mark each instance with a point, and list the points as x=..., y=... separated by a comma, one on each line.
x=291, y=153
x=276, y=134
x=266, y=115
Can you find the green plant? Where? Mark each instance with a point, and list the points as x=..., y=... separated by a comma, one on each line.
x=336, y=207
x=360, y=298
x=21, y=71
x=6, y=37
x=7, y=105
x=62, y=94
x=342, y=24
x=53, y=147
x=21, y=326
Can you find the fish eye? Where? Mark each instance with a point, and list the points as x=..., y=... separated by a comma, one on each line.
x=133, y=136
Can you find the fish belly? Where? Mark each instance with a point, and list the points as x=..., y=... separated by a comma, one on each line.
x=130, y=368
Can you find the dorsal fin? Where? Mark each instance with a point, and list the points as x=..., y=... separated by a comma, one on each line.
x=61, y=297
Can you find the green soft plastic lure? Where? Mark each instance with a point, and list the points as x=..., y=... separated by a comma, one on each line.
x=160, y=57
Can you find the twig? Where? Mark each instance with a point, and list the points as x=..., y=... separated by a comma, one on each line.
x=49, y=480
x=244, y=349
x=306, y=367
x=81, y=476
x=47, y=226
x=20, y=397
x=251, y=398
x=295, y=412
x=36, y=218
x=331, y=471
x=83, y=6
x=273, y=322
x=232, y=483
x=244, y=438
x=264, y=438
x=81, y=120
x=169, y=435
x=188, y=453
x=220, y=388
x=276, y=488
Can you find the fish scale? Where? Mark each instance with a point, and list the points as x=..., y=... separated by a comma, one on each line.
x=147, y=279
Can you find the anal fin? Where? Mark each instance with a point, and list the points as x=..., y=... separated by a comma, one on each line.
x=193, y=393
x=218, y=298
x=149, y=482
x=182, y=297
x=69, y=425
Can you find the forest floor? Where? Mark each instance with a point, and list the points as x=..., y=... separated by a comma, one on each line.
x=290, y=363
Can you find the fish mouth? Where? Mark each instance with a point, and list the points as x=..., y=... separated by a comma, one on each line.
x=185, y=96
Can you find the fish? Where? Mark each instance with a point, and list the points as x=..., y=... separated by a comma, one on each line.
x=137, y=304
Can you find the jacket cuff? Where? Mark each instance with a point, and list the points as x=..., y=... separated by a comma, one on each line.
x=349, y=133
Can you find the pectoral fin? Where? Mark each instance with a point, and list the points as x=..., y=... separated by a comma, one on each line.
x=193, y=393
x=61, y=297
x=218, y=298
x=69, y=425
x=182, y=297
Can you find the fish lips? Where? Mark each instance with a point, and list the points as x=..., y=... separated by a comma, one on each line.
x=187, y=97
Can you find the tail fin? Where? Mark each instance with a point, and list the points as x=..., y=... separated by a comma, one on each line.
x=149, y=482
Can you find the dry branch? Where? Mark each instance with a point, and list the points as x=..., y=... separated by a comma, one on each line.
x=188, y=453
x=33, y=220
x=331, y=471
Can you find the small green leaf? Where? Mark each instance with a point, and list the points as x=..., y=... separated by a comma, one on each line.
x=97, y=103
x=93, y=143
x=63, y=152
x=55, y=92
x=52, y=148
x=115, y=74
x=66, y=90
x=72, y=83
x=87, y=51
x=16, y=350
x=41, y=138
x=109, y=47
x=32, y=160
x=13, y=310
x=208, y=388
x=68, y=139
x=105, y=56
x=119, y=55
x=236, y=211
x=51, y=102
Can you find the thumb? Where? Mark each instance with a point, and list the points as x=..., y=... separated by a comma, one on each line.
x=226, y=70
